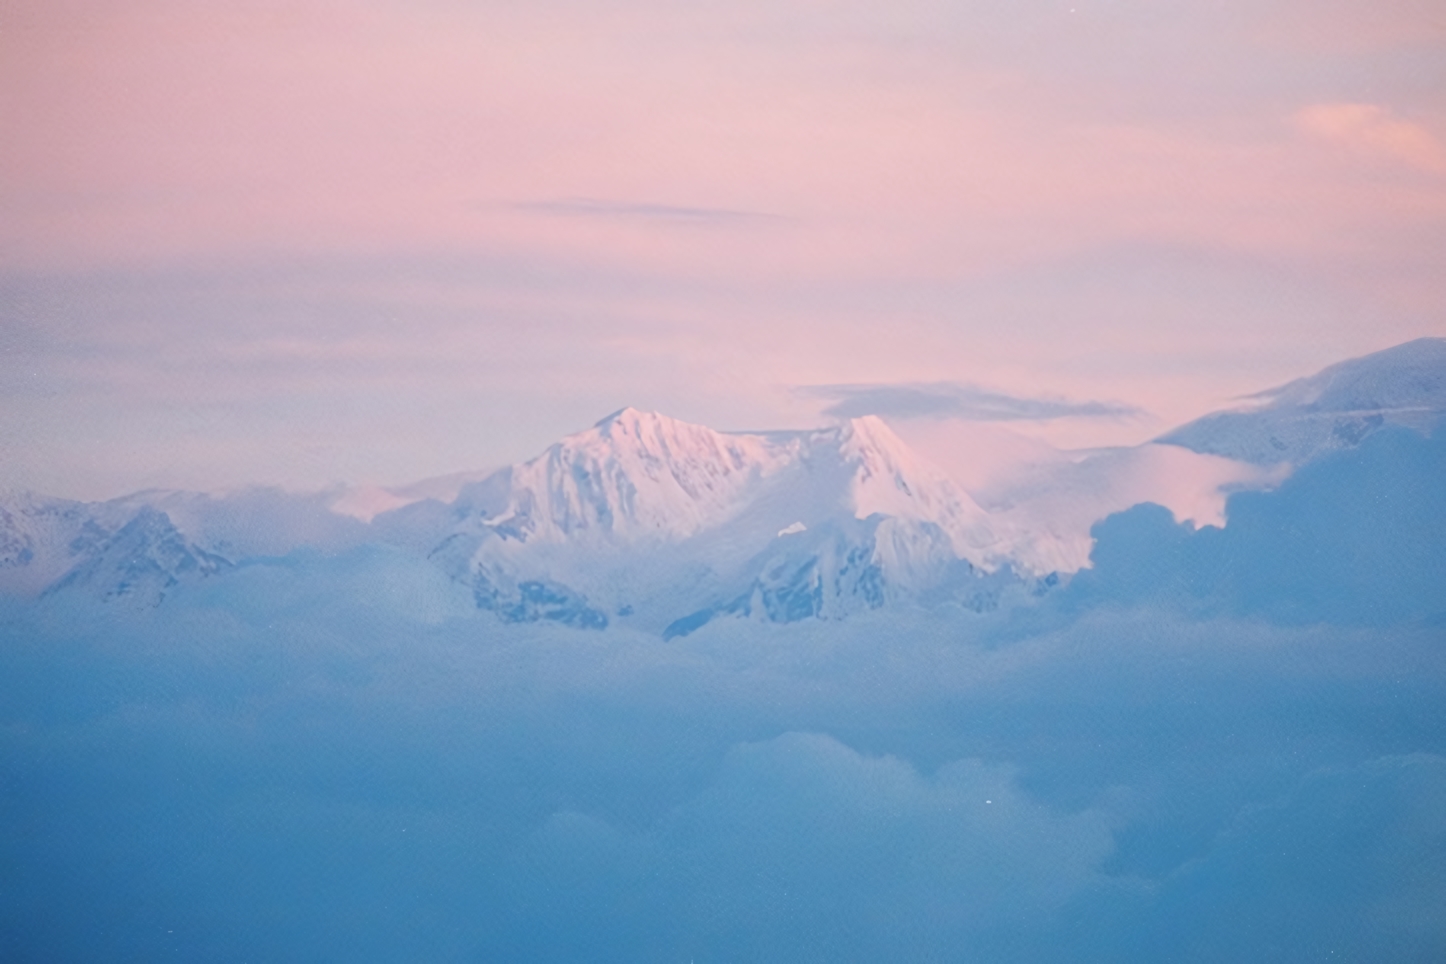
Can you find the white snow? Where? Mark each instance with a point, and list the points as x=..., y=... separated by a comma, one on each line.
x=1331, y=410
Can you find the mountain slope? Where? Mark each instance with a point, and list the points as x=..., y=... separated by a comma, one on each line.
x=1050, y=503
x=41, y=538
x=1335, y=409
x=140, y=563
x=633, y=477
x=640, y=477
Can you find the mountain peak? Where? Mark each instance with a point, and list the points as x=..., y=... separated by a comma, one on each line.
x=633, y=475
x=869, y=433
x=629, y=416
x=631, y=427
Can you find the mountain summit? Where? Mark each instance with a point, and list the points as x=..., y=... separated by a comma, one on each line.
x=640, y=477
x=633, y=477
x=643, y=513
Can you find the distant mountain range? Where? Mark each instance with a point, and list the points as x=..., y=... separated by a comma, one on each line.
x=646, y=521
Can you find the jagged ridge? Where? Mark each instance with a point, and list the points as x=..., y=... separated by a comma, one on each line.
x=643, y=509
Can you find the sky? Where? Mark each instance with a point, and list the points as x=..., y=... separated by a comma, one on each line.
x=298, y=243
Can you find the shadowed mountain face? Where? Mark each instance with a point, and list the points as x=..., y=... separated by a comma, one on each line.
x=140, y=563
x=40, y=539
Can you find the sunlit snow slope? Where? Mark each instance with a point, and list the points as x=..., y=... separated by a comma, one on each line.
x=1331, y=410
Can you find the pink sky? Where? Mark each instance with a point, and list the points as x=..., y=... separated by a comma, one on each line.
x=304, y=241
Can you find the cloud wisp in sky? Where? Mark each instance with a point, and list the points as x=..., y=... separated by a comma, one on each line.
x=1373, y=131
x=958, y=401
x=590, y=207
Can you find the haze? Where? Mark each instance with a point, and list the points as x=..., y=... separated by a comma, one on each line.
x=303, y=242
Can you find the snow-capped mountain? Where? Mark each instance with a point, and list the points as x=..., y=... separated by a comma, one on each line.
x=634, y=477
x=1051, y=503
x=642, y=514
x=641, y=518
x=142, y=561
x=639, y=477
x=665, y=525
x=1334, y=409
x=249, y=522
x=42, y=538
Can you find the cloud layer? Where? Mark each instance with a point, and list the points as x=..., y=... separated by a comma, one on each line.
x=946, y=400
x=338, y=756
x=599, y=208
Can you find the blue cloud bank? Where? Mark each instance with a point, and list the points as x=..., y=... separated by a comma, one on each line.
x=1215, y=745
x=1358, y=537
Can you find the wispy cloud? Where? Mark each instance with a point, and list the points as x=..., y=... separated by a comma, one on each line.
x=952, y=400
x=587, y=207
x=1374, y=130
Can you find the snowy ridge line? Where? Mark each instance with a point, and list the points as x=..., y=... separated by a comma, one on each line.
x=664, y=524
